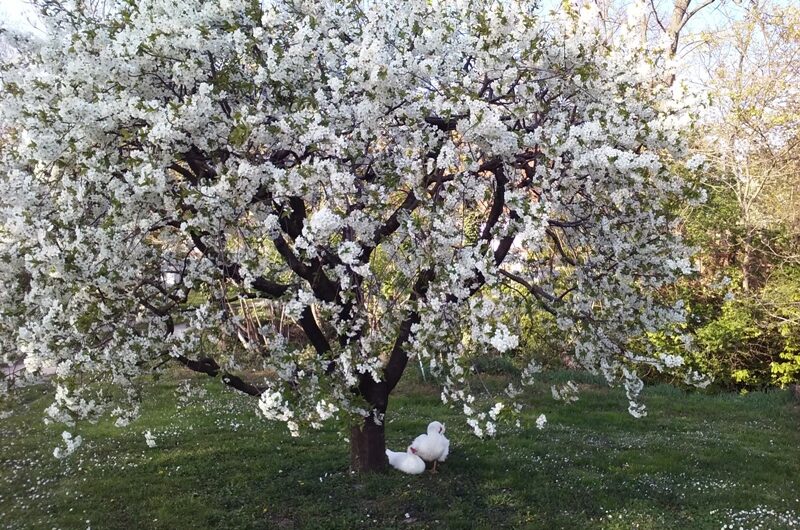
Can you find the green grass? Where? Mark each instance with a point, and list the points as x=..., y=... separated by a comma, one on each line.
x=697, y=461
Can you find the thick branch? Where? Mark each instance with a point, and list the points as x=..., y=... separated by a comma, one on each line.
x=399, y=358
x=498, y=202
x=198, y=163
x=323, y=287
x=444, y=124
x=232, y=271
x=502, y=249
x=680, y=17
x=544, y=298
x=560, y=247
x=210, y=367
x=293, y=223
x=390, y=226
x=313, y=331
x=240, y=385
x=565, y=224
x=185, y=173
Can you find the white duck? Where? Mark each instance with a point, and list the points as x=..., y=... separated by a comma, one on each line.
x=434, y=446
x=407, y=462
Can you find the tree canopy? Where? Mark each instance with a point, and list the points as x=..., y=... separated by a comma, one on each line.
x=390, y=172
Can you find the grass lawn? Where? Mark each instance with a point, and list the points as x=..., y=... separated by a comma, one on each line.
x=696, y=461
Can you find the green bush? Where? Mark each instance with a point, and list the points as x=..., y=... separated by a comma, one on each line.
x=539, y=335
x=735, y=347
x=750, y=341
x=494, y=365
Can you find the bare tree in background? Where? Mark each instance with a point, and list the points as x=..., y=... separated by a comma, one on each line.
x=656, y=20
x=754, y=72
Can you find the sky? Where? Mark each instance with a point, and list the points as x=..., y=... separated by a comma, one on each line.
x=15, y=13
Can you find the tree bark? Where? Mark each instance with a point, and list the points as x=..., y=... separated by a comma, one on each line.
x=368, y=447
x=367, y=442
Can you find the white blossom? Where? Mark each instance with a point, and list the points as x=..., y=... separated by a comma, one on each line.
x=169, y=173
x=71, y=444
x=495, y=411
x=149, y=439
x=568, y=392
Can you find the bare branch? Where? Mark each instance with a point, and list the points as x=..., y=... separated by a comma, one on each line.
x=209, y=366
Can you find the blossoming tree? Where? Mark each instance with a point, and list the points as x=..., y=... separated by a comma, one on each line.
x=386, y=171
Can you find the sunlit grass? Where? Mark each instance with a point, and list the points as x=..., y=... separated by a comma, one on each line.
x=696, y=461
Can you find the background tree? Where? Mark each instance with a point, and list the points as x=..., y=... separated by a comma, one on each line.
x=339, y=160
x=748, y=230
x=657, y=21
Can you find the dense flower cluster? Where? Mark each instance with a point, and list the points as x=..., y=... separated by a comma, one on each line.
x=384, y=171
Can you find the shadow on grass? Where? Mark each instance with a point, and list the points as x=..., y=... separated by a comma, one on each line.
x=697, y=461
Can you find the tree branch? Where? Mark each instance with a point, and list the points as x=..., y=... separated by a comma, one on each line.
x=444, y=124
x=398, y=359
x=544, y=298
x=210, y=367
x=560, y=247
x=390, y=226
x=313, y=331
x=261, y=284
x=323, y=287
x=498, y=202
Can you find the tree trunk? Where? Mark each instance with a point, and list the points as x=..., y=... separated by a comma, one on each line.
x=368, y=443
x=368, y=447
